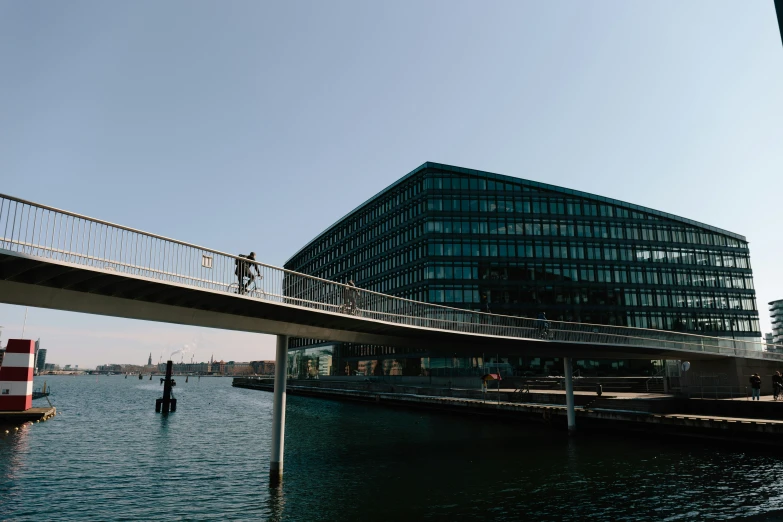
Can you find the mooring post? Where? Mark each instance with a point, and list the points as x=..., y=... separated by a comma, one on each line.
x=569, y=385
x=166, y=403
x=278, y=411
x=167, y=388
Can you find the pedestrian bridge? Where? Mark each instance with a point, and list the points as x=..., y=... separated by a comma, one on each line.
x=52, y=258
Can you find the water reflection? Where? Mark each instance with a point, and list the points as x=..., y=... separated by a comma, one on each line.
x=275, y=502
x=14, y=446
x=113, y=454
x=572, y=457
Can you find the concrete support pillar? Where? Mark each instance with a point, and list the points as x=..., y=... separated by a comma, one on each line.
x=278, y=411
x=666, y=376
x=569, y=386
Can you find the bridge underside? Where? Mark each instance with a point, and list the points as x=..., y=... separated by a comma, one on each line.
x=41, y=283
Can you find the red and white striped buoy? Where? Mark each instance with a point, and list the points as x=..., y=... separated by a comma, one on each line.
x=16, y=376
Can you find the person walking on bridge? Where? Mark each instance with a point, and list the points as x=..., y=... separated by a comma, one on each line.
x=755, y=386
x=350, y=296
x=244, y=270
x=542, y=325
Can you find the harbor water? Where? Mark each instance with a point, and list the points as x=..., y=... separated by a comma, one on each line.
x=109, y=456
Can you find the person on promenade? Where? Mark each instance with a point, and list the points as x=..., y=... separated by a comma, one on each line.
x=244, y=270
x=755, y=386
x=777, y=384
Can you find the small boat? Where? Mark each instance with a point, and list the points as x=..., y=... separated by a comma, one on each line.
x=43, y=392
x=141, y=376
x=150, y=376
x=186, y=378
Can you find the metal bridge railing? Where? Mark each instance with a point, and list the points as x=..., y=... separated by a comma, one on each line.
x=47, y=233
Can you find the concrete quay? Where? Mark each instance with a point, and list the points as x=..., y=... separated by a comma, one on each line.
x=644, y=413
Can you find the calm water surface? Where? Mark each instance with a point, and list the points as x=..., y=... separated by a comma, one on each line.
x=109, y=456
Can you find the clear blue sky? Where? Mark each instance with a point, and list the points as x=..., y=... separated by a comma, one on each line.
x=254, y=125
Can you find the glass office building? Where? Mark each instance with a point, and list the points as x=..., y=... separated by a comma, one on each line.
x=776, y=315
x=489, y=242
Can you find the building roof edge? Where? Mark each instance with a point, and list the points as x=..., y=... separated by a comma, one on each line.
x=588, y=195
x=410, y=174
x=535, y=184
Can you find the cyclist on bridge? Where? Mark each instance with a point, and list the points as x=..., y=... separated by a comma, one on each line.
x=244, y=270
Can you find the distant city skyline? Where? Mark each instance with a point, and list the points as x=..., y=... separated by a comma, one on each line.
x=113, y=339
x=256, y=127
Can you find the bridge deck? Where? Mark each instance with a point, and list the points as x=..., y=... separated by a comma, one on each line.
x=29, y=281
x=57, y=259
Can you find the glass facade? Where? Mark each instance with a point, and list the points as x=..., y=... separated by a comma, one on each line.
x=483, y=241
x=776, y=315
x=312, y=363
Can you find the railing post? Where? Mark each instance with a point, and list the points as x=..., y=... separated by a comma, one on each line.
x=278, y=412
x=569, y=385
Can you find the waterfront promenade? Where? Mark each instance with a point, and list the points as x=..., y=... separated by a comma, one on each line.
x=750, y=421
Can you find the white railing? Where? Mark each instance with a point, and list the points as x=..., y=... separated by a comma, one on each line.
x=47, y=233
